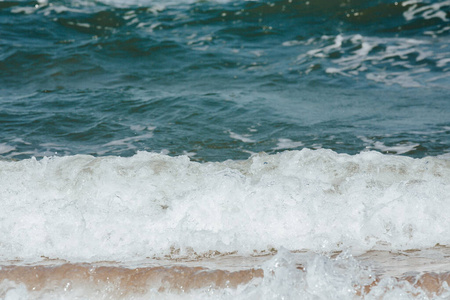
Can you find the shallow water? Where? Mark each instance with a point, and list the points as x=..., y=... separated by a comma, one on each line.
x=372, y=275
x=367, y=224
x=224, y=149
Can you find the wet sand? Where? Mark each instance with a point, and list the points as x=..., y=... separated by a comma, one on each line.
x=123, y=280
x=426, y=269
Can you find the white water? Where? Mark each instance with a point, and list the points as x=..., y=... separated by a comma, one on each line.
x=82, y=208
x=343, y=277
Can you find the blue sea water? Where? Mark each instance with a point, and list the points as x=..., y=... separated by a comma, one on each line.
x=144, y=149
x=221, y=80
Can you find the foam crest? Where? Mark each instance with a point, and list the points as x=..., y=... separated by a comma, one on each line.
x=161, y=5
x=342, y=277
x=151, y=205
x=418, y=10
x=407, y=59
x=5, y=148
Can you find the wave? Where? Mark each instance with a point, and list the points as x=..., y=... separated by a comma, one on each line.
x=84, y=208
x=387, y=42
x=385, y=18
x=284, y=275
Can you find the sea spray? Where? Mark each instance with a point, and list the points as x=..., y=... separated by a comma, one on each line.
x=150, y=205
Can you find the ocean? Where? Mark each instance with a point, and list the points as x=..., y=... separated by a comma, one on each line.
x=224, y=149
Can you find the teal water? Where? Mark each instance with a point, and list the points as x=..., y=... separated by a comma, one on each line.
x=221, y=80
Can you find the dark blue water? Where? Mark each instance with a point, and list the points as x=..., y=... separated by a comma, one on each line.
x=224, y=79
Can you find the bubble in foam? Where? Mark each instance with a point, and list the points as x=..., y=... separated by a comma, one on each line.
x=110, y=208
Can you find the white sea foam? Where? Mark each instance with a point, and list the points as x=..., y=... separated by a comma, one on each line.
x=157, y=3
x=5, y=148
x=363, y=58
x=401, y=148
x=83, y=208
x=287, y=144
x=398, y=149
x=286, y=275
x=427, y=11
x=243, y=138
x=129, y=140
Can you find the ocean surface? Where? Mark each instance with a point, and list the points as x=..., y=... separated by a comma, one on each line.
x=224, y=149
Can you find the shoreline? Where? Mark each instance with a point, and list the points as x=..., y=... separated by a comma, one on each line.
x=378, y=270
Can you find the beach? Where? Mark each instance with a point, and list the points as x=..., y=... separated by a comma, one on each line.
x=371, y=275
x=224, y=149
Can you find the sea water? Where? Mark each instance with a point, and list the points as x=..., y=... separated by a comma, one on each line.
x=224, y=149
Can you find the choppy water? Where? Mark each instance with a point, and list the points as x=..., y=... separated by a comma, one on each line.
x=224, y=149
x=222, y=79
